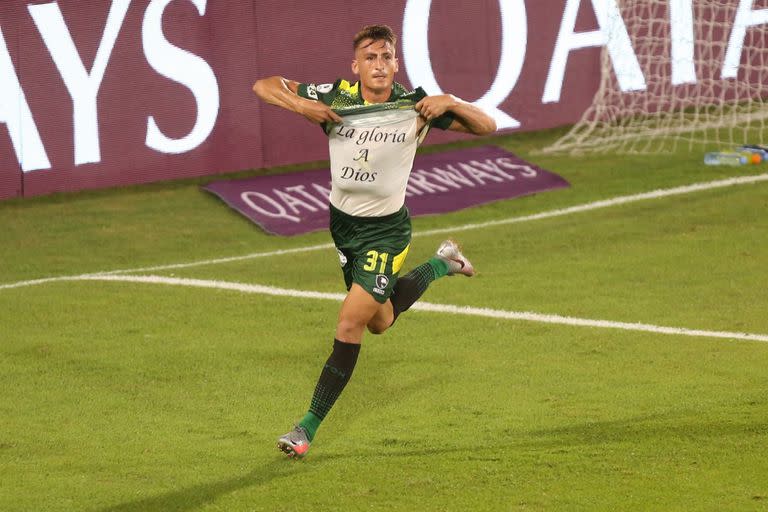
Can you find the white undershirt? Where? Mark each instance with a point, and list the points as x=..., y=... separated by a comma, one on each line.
x=371, y=159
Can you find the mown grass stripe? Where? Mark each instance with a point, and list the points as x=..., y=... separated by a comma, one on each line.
x=435, y=308
x=656, y=194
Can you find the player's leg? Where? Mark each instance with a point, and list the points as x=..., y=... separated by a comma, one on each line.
x=370, y=253
x=447, y=261
x=356, y=312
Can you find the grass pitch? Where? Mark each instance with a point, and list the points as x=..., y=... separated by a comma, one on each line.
x=136, y=397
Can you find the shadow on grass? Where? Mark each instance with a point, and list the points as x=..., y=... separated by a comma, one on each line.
x=194, y=497
x=659, y=427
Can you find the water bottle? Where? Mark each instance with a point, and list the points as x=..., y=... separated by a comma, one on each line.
x=758, y=153
x=725, y=158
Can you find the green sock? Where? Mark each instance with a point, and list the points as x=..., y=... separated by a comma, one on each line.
x=311, y=423
x=440, y=267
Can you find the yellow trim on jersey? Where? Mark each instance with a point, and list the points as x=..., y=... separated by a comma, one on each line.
x=398, y=260
x=352, y=90
x=348, y=88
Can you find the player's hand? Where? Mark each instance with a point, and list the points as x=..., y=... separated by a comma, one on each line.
x=433, y=107
x=317, y=112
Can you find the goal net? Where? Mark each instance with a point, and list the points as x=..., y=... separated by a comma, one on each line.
x=705, y=64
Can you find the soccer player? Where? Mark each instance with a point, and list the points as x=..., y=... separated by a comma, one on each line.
x=374, y=127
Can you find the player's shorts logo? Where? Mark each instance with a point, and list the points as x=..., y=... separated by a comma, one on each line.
x=342, y=258
x=381, y=281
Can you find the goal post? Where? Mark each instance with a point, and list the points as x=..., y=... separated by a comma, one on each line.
x=705, y=64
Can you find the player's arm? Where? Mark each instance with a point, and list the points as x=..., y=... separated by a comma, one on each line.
x=282, y=92
x=467, y=117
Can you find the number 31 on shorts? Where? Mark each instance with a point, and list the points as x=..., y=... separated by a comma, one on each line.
x=374, y=257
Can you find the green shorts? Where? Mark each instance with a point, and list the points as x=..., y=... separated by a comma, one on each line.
x=371, y=250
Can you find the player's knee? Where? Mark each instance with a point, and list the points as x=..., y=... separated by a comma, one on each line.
x=349, y=329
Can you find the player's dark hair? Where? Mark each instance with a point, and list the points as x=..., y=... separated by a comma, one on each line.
x=375, y=33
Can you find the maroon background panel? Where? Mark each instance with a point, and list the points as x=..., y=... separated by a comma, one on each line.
x=10, y=171
x=242, y=40
x=464, y=39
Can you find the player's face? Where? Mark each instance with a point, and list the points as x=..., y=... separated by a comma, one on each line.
x=376, y=64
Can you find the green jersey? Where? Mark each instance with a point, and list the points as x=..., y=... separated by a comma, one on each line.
x=345, y=98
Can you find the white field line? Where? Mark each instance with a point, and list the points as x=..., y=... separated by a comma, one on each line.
x=656, y=194
x=616, y=201
x=436, y=308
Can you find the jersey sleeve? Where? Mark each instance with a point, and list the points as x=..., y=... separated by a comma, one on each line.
x=324, y=93
x=444, y=121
